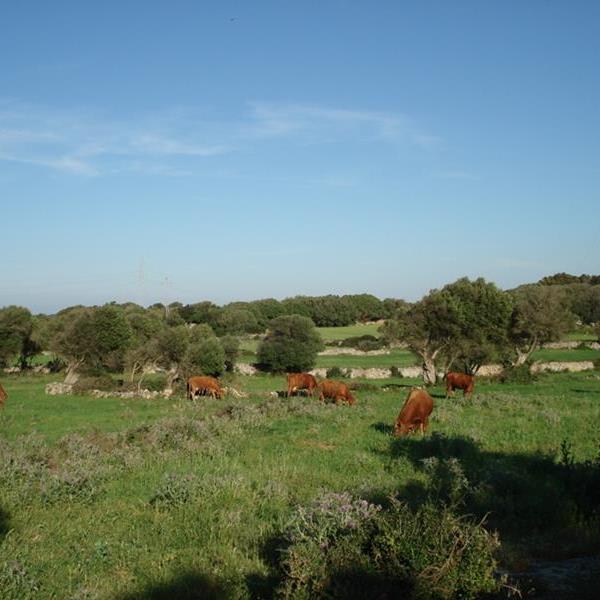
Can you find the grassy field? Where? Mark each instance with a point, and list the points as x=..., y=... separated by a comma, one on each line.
x=559, y=354
x=341, y=333
x=110, y=498
x=396, y=357
x=404, y=358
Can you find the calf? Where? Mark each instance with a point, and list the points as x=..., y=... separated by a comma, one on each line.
x=203, y=385
x=3, y=396
x=301, y=381
x=336, y=390
x=415, y=412
x=460, y=381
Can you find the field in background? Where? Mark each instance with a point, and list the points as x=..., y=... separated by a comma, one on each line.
x=404, y=358
x=128, y=498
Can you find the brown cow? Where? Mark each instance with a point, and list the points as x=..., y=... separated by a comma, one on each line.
x=337, y=390
x=415, y=412
x=301, y=381
x=460, y=381
x=3, y=395
x=203, y=385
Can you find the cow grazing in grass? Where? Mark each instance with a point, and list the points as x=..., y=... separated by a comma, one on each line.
x=3, y=396
x=301, y=381
x=459, y=381
x=203, y=386
x=415, y=412
x=336, y=390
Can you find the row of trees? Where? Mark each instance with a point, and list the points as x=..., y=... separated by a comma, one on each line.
x=468, y=323
x=253, y=317
x=115, y=338
x=464, y=324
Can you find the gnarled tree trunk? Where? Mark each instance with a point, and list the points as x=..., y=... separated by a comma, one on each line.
x=72, y=375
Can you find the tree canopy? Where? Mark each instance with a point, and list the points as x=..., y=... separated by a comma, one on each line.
x=291, y=344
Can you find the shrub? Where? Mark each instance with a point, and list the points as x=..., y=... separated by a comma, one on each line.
x=231, y=347
x=364, y=343
x=520, y=374
x=395, y=371
x=334, y=373
x=56, y=364
x=346, y=547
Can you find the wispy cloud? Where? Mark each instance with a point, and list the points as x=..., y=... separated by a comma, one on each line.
x=155, y=144
x=91, y=144
x=317, y=124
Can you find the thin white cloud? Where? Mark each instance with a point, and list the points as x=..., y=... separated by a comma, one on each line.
x=155, y=144
x=334, y=123
x=67, y=164
x=86, y=143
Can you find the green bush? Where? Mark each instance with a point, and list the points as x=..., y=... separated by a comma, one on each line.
x=520, y=374
x=335, y=373
x=206, y=357
x=344, y=547
x=291, y=344
x=364, y=343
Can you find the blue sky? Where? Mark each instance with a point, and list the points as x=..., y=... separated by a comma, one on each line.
x=154, y=151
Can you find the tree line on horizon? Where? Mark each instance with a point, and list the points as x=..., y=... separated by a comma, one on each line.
x=465, y=323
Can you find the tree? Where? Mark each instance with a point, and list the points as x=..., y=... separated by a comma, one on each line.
x=142, y=352
x=585, y=302
x=464, y=321
x=206, y=357
x=231, y=347
x=171, y=349
x=367, y=307
x=291, y=344
x=236, y=321
x=483, y=316
x=111, y=335
x=540, y=315
x=92, y=337
x=16, y=342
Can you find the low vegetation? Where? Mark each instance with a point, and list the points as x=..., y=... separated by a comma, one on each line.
x=270, y=496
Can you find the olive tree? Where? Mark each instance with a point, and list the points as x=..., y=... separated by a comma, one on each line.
x=91, y=337
x=17, y=338
x=540, y=315
x=465, y=321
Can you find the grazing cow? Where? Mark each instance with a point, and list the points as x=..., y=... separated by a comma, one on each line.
x=415, y=412
x=460, y=381
x=203, y=385
x=336, y=390
x=301, y=381
x=3, y=396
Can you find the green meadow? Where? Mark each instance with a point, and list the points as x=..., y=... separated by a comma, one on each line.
x=112, y=498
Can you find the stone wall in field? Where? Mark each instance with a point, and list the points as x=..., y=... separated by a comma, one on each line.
x=571, y=345
x=352, y=352
x=557, y=366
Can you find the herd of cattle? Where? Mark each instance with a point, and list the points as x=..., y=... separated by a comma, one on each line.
x=413, y=415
